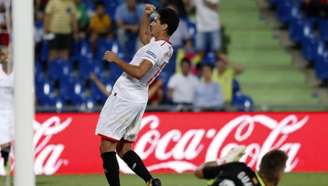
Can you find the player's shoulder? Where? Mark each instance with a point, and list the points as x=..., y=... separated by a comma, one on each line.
x=240, y=165
x=161, y=44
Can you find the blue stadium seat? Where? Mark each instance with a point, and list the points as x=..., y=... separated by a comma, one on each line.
x=295, y=30
x=210, y=58
x=321, y=66
x=111, y=7
x=309, y=48
x=59, y=68
x=284, y=11
x=82, y=48
x=323, y=29
x=235, y=87
x=191, y=29
x=102, y=46
x=72, y=90
x=243, y=102
x=44, y=91
x=89, y=103
x=86, y=67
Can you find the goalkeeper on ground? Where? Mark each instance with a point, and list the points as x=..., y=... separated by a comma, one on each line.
x=229, y=172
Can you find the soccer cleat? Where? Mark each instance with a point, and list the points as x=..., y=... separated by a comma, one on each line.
x=234, y=154
x=154, y=182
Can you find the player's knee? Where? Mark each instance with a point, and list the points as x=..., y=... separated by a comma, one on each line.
x=107, y=146
x=124, y=149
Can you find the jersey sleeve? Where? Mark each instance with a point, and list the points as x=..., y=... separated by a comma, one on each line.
x=211, y=172
x=153, y=53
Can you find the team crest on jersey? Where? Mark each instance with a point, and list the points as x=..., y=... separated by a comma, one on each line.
x=151, y=54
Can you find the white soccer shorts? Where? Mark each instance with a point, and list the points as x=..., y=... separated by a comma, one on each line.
x=120, y=119
x=6, y=127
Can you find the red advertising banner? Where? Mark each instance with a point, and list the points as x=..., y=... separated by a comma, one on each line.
x=179, y=142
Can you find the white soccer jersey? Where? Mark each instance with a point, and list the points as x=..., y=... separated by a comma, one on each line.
x=157, y=52
x=6, y=91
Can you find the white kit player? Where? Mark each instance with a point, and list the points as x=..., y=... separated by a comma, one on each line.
x=6, y=106
x=119, y=121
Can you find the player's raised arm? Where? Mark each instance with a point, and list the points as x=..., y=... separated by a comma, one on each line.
x=144, y=33
x=136, y=71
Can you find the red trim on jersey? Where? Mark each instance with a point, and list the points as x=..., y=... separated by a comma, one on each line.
x=166, y=41
x=106, y=138
x=156, y=74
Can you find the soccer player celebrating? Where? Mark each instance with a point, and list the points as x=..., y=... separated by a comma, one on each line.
x=6, y=106
x=120, y=118
x=229, y=172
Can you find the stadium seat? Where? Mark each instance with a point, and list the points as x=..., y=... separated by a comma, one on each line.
x=323, y=29
x=321, y=66
x=284, y=12
x=44, y=52
x=59, y=68
x=210, y=58
x=72, y=90
x=243, y=102
x=102, y=46
x=86, y=67
x=82, y=49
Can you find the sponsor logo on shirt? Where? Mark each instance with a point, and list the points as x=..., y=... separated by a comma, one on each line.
x=151, y=54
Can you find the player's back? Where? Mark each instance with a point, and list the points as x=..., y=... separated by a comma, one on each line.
x=236, y=174
x=158, y=53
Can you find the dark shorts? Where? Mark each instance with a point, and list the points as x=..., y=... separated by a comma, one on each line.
x=61, y=42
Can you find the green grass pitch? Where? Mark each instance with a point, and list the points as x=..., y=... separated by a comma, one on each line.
x=299, y=179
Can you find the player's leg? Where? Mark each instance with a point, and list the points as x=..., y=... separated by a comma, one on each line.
x=209, y=170
x=110, y=164
x=215, y=41
x=135, y=163
x=234, y=154
x=5, y=150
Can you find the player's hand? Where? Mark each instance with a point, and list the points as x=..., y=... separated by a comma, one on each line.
x=110, y=56
x=149, y=9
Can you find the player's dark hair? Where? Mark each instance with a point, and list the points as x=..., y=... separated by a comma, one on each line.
x=169, y=16
x=272, y=164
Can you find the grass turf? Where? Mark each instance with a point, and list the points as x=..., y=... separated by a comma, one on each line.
x=290, y=179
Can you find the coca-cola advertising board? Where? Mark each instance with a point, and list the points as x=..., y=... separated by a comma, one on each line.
x=179, y=142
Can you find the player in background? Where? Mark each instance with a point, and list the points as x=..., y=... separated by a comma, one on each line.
x=229, y=172
x=6, y=108
x=120, y=118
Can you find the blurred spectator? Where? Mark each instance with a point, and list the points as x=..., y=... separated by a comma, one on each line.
x=226, y=72
x=5, y=16
x=208, y=94
x=128, y=16
x=38, y=33
x=207, y=24
x=60, y=23
x=179, y=4
x=182, y=86
x=40, y=5
x=181, y=39
x=81, y=15
x=181, y=36
x=100, y=24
